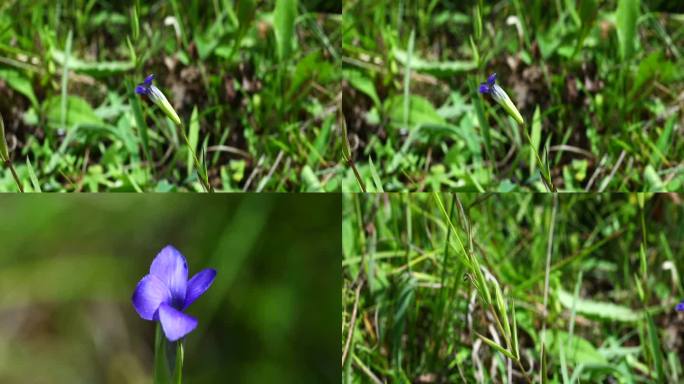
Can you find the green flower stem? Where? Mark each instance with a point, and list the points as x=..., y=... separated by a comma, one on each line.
x=204, y=178
x=168, y=366
x=546, y=177
x=9, y=165
x=161, y=366
x=346, y=154
x=178, y=371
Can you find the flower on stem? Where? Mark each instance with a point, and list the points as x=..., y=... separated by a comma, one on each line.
x=166, y=292
x=680, y=307
x=157, y=97
x=500, y=96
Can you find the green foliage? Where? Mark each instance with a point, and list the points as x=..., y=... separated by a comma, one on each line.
x=256, y=84
x=451, y=287
x=596, y=83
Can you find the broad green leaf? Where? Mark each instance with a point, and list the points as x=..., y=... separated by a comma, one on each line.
x=578, y=350
x=284, y=16
x=602, y=309
x=78, y=111
x=627, y=14
x=363, y=84
x=421, y=111
x=436, y=68
x=19, y=83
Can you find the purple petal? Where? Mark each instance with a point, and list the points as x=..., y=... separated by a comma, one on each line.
x=198, y=285
x=148, y=80
x=150, y=293
x=171, y=268
x=680, y=306
x=141, y=89
x=484, y=88
x=491, y=79
x=175, y=323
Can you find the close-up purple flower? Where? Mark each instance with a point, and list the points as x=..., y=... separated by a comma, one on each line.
x=165, y=293
x=680, y=307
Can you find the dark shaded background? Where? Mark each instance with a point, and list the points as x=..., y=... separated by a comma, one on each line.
x=69, y=264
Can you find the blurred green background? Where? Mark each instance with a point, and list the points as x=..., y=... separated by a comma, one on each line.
x=69, y=265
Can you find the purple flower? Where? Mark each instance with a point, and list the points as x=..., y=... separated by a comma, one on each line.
x=144, y=88
x=157, y=97
x=500, y=96
x=484, y=87
x=680, y=306
x=165, y=293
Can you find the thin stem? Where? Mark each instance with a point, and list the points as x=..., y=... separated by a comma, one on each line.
x=545, y=177
x=178, y=370
x=8, y=163
x=204, y=178
x=350, y=162
x=162, y=373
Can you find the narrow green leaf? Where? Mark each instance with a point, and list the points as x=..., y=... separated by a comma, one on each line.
x=65, y=82
x=656, y=352
x=536, y=138
x=193, y=137
x=435, y=68
x=284, y=16
x=32, y=176
x=496, y=346
x=374, y=175
x=516, y=347
x=97, y=69
x=627, y=14
x=501, y=306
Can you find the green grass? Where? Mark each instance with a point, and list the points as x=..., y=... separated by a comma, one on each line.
x=473, y=287
x=597, y=83
x=255, y=83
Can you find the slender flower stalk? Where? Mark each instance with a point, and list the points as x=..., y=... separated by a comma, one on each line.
x=5, y=157
x=501, y=97
x=163, y=296
x=158, y=98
